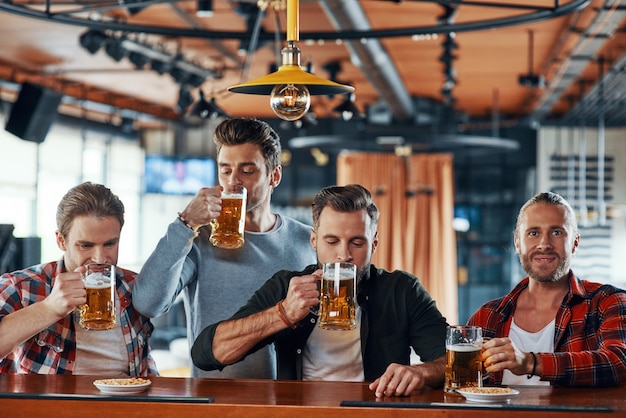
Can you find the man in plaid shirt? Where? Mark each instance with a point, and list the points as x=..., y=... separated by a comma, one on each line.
x=553, y=328
x=39, y=331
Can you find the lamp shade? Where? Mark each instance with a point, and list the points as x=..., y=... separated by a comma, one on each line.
x=291, y=74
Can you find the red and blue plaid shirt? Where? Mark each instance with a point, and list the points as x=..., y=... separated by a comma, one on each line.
x=53, y=350
x=589, y=337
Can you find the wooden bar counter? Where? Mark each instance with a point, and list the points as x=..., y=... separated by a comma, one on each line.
x=76, y=396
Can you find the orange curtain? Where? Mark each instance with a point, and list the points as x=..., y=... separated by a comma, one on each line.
x=415, y=196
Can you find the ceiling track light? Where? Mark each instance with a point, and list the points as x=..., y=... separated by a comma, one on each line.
x=195, y=80
x=133, y=6
x=127, y=124
x=216, y=111
x=531, y=79
x=138, y=60
x=93, y=40
x=160, y=66
x=204, y=8
x=204, y=109
x=449, y=14
x=447, y=58
x=449, y=43
x=333, y=68
x=115, y=49
x=140, y=55
x=179, y=75
x=185, y=99
x=348, y=110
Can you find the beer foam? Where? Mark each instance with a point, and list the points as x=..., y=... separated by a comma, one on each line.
x=463, y=348
x=342, y=277
x=97, y=281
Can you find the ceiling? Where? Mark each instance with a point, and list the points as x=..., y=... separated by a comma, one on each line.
x=477, y=63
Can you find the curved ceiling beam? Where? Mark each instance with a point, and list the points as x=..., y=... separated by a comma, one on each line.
x=535, y=15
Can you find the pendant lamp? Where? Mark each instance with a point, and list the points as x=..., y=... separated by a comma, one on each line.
x=290, y=87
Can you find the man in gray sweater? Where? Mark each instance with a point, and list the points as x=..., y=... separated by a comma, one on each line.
x=215, y=281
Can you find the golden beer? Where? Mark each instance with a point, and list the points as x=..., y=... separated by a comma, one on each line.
x=463, y=366
x=99, y=311
x=337, y=297
x=227, y=229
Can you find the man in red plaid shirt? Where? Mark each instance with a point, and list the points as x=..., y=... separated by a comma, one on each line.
x=553, y=328
x=39, y=331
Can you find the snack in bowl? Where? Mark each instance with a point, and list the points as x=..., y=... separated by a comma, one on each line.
x=123, y=382
x=488, y=394
x=122, y=386
x=489, y=390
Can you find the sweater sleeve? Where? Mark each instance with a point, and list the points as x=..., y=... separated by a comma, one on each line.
x=166, y=272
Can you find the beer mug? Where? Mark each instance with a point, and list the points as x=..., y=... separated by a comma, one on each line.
x=463, y=364
x=338, y=296
x=99, y=311
x=227, y=229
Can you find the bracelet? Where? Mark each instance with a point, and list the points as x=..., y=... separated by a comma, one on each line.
x=184, y=221
x=283, y=315
x=534, y=366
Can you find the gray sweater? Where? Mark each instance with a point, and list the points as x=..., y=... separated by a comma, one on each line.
x=215, y=282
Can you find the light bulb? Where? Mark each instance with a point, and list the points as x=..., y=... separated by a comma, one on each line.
x=290, y=101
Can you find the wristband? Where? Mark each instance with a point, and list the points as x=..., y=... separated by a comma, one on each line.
x=184, y=221
x=534, y=366
x=283, y=315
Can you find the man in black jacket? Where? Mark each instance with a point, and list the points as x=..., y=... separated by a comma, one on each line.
x=394, y=312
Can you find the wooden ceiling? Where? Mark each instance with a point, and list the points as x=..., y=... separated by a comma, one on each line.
x=39, y=42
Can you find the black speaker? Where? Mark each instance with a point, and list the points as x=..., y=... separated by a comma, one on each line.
x=33, y=112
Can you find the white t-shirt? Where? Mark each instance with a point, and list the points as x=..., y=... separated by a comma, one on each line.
x=537, y=342
x=101, y=352
x=334, y=354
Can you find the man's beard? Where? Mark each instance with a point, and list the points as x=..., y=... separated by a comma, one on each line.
x=546, y=276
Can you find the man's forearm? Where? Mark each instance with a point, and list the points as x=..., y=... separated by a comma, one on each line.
x=21, y=325
x=234, y=338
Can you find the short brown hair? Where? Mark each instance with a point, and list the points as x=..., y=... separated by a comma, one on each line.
x=350, y=198
x=88, y=199
x=238, y=131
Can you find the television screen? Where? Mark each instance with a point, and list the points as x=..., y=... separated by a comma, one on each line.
x=168, y=175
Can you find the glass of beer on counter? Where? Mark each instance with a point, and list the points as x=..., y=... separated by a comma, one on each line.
x=463, y=364
x=338, y=296
x=99, y=311
x=227, y=229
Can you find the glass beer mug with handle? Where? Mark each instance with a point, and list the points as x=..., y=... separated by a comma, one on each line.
x=337, y=309
x=463, y=364
x=99, y=312
x=227, y=230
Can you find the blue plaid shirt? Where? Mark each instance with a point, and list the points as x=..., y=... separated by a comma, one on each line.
x=53, y=350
